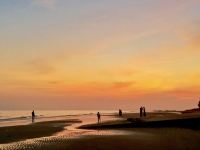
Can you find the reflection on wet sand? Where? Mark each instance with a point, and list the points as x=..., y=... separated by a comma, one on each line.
x=71, y=131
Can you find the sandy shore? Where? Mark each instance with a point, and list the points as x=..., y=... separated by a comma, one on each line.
x=116, y=135
x=35, y=130
x=140, y=139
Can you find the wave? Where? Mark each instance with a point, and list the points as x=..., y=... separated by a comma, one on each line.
x=37, y=117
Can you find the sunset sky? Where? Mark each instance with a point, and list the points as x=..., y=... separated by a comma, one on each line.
x=99, y=54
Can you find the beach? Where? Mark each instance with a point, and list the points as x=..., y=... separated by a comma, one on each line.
x=99, y=74
x=82, y=132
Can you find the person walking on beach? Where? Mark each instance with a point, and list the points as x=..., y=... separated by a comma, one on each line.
x=99, y=117
x=141, y=108
x=33, y=116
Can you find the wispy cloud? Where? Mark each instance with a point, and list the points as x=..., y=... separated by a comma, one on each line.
x=185, y=92
x=191, y=34
x=119, y=72
x=120, y=85
x=40, y=66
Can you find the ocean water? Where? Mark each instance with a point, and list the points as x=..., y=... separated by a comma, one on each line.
x=22, y=117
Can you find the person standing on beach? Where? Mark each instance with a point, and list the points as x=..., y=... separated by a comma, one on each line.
x=99, y=117
x=33, y=116
x=144, y=112
x=120, y=112
x=141, y=111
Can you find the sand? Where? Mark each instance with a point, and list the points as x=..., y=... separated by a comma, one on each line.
x=35, y=130
x=139, y=139
x=143, y=138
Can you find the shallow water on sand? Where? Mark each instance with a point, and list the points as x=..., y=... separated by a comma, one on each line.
x=12, y=118
x=66, y=135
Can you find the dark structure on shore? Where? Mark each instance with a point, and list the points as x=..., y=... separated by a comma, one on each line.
x=199, y=104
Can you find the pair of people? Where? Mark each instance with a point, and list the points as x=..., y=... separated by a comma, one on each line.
x=142, y=112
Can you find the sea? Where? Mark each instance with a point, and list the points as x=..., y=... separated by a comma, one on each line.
x=23, y=117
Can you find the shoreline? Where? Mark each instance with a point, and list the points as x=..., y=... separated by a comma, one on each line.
x=191, y=123
x=154, y=120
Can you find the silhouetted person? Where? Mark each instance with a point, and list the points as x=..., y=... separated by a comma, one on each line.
x=120, y=112
x=99, y=117
x=144, y=112
x=33, y=116
x=199, y=104
x=141, y=111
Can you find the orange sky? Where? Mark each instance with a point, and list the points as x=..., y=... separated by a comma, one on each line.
x=58, y=54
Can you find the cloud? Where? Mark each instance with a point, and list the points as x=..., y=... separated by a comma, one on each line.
x=40, y=66
x=120, y=85
x=185, y=92
x=119, y=72
x=191, y=35
x=45, y=3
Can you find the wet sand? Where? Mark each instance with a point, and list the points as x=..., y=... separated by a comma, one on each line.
x=141, y=139
x=34, y=130
x=71, y=138
x=46, y=133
